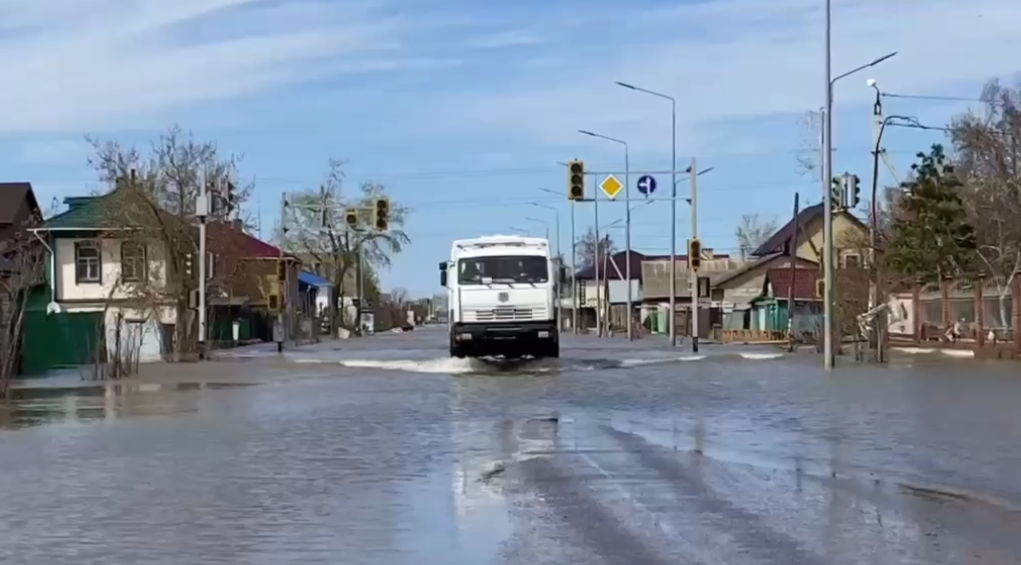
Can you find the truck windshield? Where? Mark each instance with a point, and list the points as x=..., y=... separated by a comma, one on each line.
x=503, y=269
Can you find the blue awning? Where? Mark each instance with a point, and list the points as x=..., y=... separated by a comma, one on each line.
x=313, y=279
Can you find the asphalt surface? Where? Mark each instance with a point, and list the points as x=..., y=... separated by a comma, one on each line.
x=382, y=450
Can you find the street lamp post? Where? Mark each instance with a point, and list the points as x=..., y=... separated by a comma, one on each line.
x=574, y=262
x=627, y=220
x=538, y=221
x=673, y=207
x=556, y=216
x=827, y=156
x=876, y=297
x=520, y=230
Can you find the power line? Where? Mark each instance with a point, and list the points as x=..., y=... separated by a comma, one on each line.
x=932, y=97
x=309, y=182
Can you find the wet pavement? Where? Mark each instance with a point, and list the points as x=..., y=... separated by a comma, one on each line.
x=382, y=450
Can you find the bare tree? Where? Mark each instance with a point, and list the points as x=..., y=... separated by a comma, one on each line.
x=22, y=267
x=392, y=311
x=752, y=232
x=988, y=155
x=154, y=201
x=316, y=230
x=810, y=152
x=589, y=250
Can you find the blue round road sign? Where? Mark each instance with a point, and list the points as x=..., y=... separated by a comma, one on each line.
x=647, y=184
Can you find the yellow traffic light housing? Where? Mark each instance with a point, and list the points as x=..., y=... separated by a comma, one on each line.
x=351, y=218
x=695, y=253
x=576, y=180
x=281, y=271
x=382, y=214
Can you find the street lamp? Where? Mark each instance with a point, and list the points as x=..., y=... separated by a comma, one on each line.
x=556, y=216
x=879, y=127
x=673, y=205
x=827, y=155
x=627, y=231
x=538, y=221
x=519, y=230
x=574, y=263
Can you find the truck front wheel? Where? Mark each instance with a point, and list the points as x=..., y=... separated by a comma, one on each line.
x=550, y=350
x=455, y=349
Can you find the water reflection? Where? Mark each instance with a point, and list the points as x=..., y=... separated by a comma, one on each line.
x=81, y=403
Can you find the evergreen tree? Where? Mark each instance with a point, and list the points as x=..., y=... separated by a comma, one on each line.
x=931, y=237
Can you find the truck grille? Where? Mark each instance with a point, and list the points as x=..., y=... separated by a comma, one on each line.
x=504, y=314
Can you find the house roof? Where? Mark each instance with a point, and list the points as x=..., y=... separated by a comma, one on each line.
x=804, y=281
x=226, y=238
x=12, y=194
x=313, y=279
x=107, y=211
x=620, y=259
x=778, y=242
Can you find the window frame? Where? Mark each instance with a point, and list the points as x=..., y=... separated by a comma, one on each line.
x=143, y=257
x=91, y=244
x=857, y=258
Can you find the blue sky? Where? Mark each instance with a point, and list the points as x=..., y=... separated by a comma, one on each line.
x=462, y=108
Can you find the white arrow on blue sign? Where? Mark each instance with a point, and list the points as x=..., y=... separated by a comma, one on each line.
x=647, y=184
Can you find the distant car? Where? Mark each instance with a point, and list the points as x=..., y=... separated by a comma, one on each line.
x=407, y=328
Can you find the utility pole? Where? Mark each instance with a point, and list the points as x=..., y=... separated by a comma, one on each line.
x=361, y=286
x=627, y=240
x=827, y=156
x=202, y=210
x=281, y=282
x=595, y=261
x=693, y=272
x=574, y=275
x=792, y=255
x=874, y=293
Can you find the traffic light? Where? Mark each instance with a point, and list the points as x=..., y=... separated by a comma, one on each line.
x=231, y=197
x=281, y=270
x=382, y=210
x=695, y=253
x=837, y=193
x=853, y=191
x=351, y=218
x=188, y=265
x=576, y=180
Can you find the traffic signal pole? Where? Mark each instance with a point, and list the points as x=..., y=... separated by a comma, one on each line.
x=693, y=270
x=281, y=300
x=203, y=209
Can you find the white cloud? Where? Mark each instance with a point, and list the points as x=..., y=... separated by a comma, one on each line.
x=736, y=59
x=59, y=151
x=515, y=38
x=78, y=64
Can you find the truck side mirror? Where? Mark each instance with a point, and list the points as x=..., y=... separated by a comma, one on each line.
x=443, y=273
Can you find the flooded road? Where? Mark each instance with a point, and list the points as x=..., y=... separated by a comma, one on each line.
x=384, y=451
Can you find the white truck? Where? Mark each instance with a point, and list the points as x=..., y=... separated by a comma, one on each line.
x=501, y=298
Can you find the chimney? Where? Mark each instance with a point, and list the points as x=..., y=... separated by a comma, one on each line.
x=75, y=202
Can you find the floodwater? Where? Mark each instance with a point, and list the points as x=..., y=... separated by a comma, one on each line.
x=384, y=451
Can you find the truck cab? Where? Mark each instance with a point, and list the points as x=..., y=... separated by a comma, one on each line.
x=501, y=297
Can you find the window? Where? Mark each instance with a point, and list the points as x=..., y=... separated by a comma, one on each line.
x=503, y=269
x=852, y=261
x=87, y=262
x=133, y=263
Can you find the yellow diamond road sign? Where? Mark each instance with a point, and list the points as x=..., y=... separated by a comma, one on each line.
x=611, y=186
